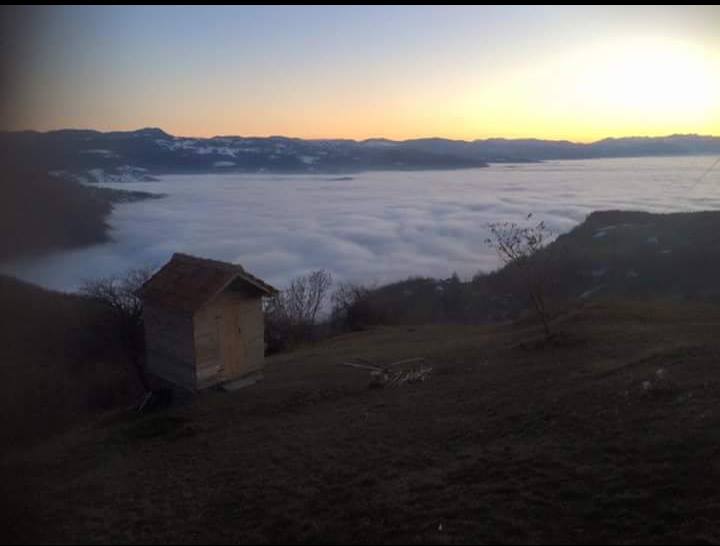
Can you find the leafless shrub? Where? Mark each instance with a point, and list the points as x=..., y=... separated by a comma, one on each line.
x=306, y=295
x=352, y=308
x=291, y=315
x=119, y=295
x=521, y=250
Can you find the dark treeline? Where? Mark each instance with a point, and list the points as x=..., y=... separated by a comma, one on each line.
x=40, y=212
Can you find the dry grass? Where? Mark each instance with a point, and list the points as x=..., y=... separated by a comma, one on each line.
x=506, y=442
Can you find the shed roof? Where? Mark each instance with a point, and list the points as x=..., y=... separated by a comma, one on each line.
x=187, y=282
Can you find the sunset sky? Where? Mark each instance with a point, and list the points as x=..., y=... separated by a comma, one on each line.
x=578, y=73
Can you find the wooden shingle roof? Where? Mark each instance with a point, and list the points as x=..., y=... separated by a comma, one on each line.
x=187, y=282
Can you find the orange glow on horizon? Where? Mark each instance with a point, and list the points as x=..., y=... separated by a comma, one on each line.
x=615, y=83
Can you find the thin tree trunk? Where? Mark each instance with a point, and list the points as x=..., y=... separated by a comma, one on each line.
x=539, y=305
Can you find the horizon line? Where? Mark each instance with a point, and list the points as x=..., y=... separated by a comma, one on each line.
x=564, y=140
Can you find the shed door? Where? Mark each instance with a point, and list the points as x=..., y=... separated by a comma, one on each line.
x=232, y=346
x=253, y=339
x=208, y=351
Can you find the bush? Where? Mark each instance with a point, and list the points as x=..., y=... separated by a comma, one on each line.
x=119, y=295
x=291, y=315
x=354, y=308
x=522, y=249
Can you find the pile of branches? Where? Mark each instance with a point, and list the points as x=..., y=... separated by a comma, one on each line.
x=390, y=375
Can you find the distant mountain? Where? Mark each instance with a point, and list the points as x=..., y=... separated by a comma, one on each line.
x=93, y=156
x=512, y=150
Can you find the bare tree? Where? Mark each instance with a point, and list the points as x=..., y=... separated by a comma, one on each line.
x=306, y=295
x=291, y=314
x=119, y=295
x=520, y=247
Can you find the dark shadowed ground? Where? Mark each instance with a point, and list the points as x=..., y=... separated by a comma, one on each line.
x=60, y=362
x=608, y=434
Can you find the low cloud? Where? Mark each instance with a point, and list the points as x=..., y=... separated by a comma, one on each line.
x=376, y=227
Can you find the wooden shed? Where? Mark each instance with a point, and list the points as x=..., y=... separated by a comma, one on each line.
x=203, y=322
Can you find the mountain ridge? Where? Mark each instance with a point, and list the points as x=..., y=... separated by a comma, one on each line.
x=87, y=155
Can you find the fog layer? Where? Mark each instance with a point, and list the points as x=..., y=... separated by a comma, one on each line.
x=373, y=227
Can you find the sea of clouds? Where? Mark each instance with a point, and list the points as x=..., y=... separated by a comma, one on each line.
x=371, y=227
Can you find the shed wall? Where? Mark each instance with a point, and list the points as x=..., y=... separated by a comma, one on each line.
x=249, y=346
x=170, y=345
x=208, y=322
x=253, y=328
x=229, y=338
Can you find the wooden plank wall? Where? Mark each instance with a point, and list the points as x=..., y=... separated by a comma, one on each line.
x=252, y=327
x=208, y=326
x=223, y=340
x=170, y=345
x=241, y=333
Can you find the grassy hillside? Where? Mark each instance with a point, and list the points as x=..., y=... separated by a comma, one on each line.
x=627, y=253
x=609, y=434
x=612, y=254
